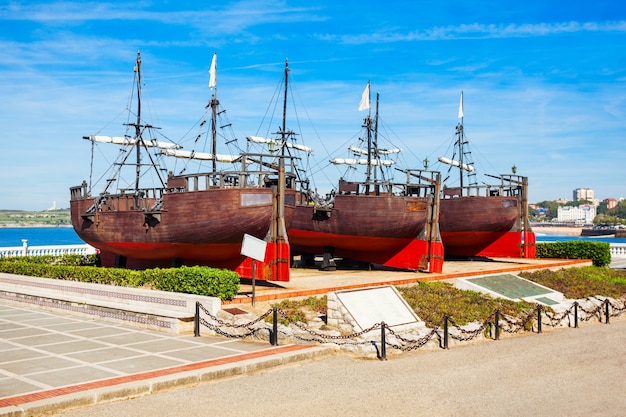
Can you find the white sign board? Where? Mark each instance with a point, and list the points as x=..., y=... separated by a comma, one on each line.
x=373, y=305
x=253, y=247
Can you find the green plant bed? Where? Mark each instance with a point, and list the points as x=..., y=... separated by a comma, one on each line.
x=432, y=300
x=296, y=310
x=576, y=283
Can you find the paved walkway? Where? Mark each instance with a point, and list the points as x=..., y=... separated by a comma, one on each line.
x=49, y=361
x=562, y=372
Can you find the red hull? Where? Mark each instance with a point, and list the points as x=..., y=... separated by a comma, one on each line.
x=481, y=226
x=382, y=229
x=200, y=227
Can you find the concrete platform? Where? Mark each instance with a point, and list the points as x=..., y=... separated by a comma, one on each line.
x=52, y=361
x=310, y=282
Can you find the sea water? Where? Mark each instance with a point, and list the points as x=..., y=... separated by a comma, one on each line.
x=38, y=236
x=43, y=236
x=544, y=237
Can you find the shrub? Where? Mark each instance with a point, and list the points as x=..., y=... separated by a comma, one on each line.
x=598, y=252
x=199, y=280
x=192, y=280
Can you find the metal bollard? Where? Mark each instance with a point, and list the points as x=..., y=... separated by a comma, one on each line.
x=383, y=342
x=575, y=314
x=497, y=325
x=538, y=318
x=196, y=321
x=445, y=331
x=606, y=310
x=274, y=333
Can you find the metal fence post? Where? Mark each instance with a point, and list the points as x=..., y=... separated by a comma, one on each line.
x=383, y=342
x=445, y=331
x=575, y=314
x=538, y=318
x=196, y=321
x=497, y=320
x=606, y=310
x=274, y=333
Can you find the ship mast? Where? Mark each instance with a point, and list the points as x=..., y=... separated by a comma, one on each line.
x=375, y=144
x=139, y=142
x=367, y=124
x=372, y=141
x=214, y=103
x=460, y=138
x=138, y=124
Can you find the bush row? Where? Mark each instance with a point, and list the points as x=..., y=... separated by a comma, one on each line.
x=198, y=280
x=598, y=252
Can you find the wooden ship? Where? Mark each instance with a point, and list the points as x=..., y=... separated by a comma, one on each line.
x=375, y=220
x=197, y=217
x=487, y=220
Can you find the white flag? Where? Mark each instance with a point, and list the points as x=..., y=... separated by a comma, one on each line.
x=365, y=98
x=461, y=106
x=212, y=72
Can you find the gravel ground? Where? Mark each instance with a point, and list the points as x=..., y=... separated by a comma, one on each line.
x=562, y=372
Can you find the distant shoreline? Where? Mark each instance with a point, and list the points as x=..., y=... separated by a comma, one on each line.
x=5, y=225
x=558, y=230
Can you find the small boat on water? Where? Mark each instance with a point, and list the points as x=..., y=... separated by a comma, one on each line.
x=601, y=230
x=375, y=220
x=490, y=219
x=197, y=216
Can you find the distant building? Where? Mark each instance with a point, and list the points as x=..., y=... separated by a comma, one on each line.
x=583, y=214
x=610, y=202
x=583, y=194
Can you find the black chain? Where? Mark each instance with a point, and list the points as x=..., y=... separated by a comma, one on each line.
x=512, y=325
x=350, y=336
x=413, y=344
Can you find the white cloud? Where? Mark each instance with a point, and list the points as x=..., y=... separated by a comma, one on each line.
x=481, y=31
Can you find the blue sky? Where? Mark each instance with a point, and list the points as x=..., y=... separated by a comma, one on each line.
x=544, y=82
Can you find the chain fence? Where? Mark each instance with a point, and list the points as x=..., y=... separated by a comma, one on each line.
x=491, y=327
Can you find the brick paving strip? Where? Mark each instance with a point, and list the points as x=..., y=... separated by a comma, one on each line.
x=57, y=392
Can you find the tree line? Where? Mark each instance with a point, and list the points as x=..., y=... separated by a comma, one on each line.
x=548, y=211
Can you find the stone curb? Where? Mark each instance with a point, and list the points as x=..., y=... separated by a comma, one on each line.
x=160, y=384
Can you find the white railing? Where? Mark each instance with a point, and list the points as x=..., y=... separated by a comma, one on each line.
x=56, y=250
x=618, y=250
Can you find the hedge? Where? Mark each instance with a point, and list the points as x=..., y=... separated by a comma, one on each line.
x=200, y=280
x=598, y=252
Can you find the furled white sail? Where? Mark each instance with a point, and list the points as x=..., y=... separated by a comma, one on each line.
x=362, y=161
x=365, y=98
x=213, y=72
x=128, y=141
x=202, y=156
x=380, y=151
x=274, y=142
x=465, y=167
